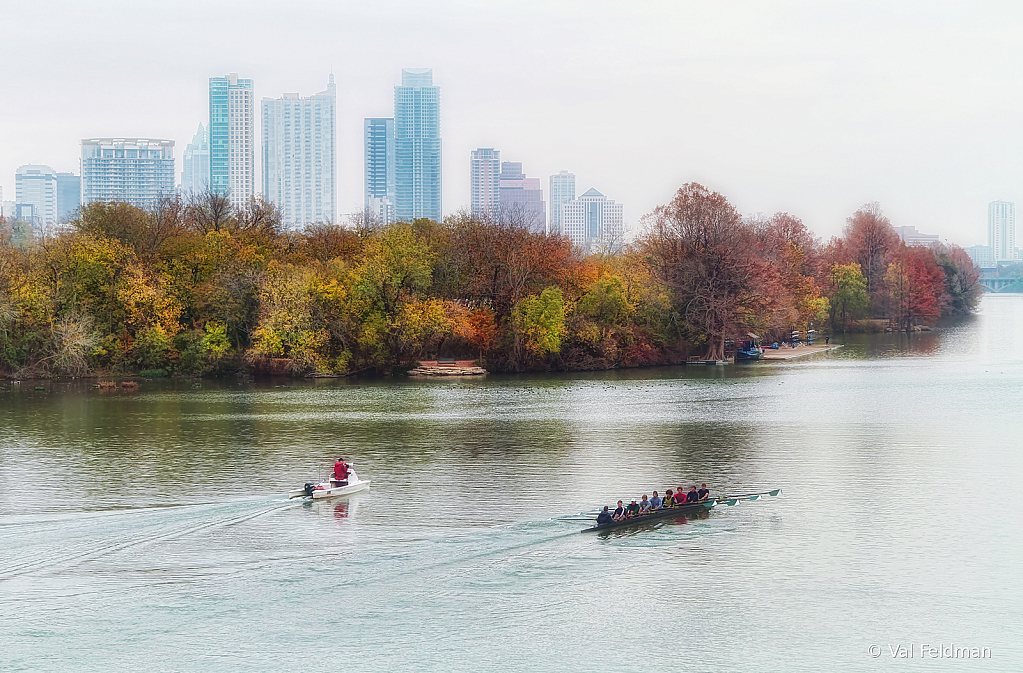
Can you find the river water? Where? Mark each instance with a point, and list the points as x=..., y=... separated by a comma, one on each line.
x=150, y=530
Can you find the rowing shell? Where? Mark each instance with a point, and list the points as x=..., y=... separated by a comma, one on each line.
x=664, y=513
x=680, y=511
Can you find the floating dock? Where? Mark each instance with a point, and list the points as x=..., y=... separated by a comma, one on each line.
x=788, y=353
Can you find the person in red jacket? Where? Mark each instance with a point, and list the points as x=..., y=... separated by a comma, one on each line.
x=341, y=470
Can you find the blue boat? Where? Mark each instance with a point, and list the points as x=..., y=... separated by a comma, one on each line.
x=749, y=350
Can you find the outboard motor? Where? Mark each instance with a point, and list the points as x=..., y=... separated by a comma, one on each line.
x=309, y=488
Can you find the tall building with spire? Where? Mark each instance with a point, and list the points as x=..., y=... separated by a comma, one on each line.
x=195, y=163
x=562, y=190
x=378, y=137
x=417, y=146
x=232, y=138
x=485, y=182
x=300, y=156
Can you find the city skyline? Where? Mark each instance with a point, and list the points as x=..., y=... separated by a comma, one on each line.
x=812, y=111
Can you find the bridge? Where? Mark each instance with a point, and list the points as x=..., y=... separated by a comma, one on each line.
x=992, y=283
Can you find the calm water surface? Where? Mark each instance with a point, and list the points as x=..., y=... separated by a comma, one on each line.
x=149, y=530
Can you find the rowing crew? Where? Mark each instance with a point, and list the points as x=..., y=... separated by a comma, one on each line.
x=647, y=505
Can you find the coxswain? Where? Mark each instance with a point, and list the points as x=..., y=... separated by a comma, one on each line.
x=341, y=471
x=619, y=513
x=693, y=496
x=604, y=517
x=703, y=493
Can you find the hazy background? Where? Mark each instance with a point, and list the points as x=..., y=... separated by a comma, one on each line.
x=807, y=107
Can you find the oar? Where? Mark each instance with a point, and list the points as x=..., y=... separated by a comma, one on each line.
x=749, y=496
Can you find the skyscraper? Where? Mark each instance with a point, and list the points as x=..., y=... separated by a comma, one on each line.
x=232, y=138
x=561, y=192
x=195, y=163
x=522, y=198
x=139, y=171
x=300, y=156
x=593, y=221
x=37, y=186
x=69, y=195
x=485, y=182
x=417, y=146
x=379, y=164
x=1001, y=230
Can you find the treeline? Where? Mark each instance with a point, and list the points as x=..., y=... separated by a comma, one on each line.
x=196, y=287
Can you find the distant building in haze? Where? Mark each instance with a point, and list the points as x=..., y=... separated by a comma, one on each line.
x=195, y=163
x=139, y=171
x=485, y=182
x=36, y=196
x=417, y=146
x=562, y=190
x=1001, y=230
x=522, y=198
x=593, y=221
x=910, y=236
x=69, y=195
x=232, y=138
x=378, y=136
x=300, y=156
x=981, y=257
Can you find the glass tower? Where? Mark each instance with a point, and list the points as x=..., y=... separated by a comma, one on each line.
x=417, y=146
x=562, y=191
x=378, y=136
x=485, y=182
x=232, y=138
x=195, y=163
x=300, y=156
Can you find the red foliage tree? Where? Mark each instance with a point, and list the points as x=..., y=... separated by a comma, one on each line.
x=872, y=242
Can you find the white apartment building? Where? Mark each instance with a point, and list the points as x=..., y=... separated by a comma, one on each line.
x=593, y=221
x=139, y=171
x=300, y=156
x=1001, y=230
x=485, y=182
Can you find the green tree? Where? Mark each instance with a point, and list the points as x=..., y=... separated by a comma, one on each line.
x=849, y=298
x=539, y=322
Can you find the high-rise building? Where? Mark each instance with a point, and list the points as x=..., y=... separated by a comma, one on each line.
x=561, y=192
x=379, y=166
x=485, y=182
x=37, y=186
x=593, y=221
x=69, y=195
x=139, y=171
x=417, y=146
x=195, y=163
x=911, y=237
x=980, y=255
x=522, y=198
x=300, y=156
x=232, y=138
x=1001, y=230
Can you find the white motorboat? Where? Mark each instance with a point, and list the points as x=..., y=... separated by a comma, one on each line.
x=331, y=488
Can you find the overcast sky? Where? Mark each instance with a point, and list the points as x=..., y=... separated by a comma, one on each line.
x=802, y=106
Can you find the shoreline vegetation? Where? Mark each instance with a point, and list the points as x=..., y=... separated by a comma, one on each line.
x=194, y=287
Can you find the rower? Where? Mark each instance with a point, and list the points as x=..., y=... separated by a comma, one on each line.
x=680, y=497
x=693, y=496
x=341, y=469
x=604, y=517
x=644, y=506
x=669, y=498
x=632, y=510
x=619, y=513
x=655, y=502
x=703, y=493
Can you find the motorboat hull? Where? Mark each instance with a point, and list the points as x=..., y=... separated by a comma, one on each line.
x=327, y=490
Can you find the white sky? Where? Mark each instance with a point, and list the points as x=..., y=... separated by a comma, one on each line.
x=803, y=106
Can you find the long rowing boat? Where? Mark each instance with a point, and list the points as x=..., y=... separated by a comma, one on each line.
x=680, y=511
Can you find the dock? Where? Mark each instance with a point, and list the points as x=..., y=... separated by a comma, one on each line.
x=787, y=353
x=447, y=367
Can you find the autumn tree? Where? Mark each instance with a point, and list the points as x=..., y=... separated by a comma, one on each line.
x=699, y=246
x=872, y=243
x=848, y=294
x=914, y=284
